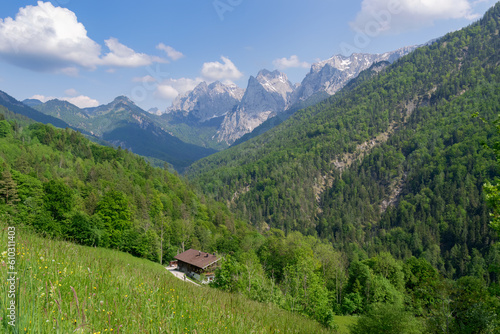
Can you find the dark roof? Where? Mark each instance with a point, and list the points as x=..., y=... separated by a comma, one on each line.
x=197, y=258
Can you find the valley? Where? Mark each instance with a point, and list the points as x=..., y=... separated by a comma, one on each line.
x=364, y=199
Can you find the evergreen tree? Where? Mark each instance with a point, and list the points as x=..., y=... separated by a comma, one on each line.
x=8, y=188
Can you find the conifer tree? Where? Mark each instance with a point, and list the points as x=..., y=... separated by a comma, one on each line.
x=8, y=188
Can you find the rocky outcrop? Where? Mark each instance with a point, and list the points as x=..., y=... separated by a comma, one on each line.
x=332, y=74
x=266, y=95
x=207, y=101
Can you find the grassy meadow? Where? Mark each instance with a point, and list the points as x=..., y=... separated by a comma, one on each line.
x=344, y=322
x=66, y=288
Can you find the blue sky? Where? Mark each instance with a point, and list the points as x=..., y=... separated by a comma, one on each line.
x=89, y=52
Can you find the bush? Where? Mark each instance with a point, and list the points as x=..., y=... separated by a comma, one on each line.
x=386, y=319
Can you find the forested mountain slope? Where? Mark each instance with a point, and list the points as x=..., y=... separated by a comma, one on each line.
x=312, y=100
x=122, y=123
x=396, y=164
x=63, y=185
x=15, y=106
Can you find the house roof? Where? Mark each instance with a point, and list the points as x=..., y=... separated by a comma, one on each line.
x=197, y=258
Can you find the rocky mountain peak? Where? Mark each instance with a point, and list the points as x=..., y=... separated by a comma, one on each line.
x=332, y=74
x=123, y=99
x=155, y=111
x=266, y=95
x=207, y=101
x=120, y=103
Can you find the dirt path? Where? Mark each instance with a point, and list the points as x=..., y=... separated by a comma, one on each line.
x=180, y=275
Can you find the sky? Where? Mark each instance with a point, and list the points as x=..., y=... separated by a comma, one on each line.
x=88, y=52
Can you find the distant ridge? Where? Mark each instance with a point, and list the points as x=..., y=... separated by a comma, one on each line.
x=20, y=108
x=32, y=102
x=122, y=123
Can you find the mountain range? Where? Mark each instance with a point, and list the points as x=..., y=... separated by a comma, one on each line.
x=235, y=112
x=371, y=191
x=393, y=161
x=20, y=108
x=207, y=119
x=119, y=123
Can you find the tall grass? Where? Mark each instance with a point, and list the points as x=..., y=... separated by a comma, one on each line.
x=65, y=288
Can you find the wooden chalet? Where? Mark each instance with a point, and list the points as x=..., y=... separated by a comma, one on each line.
x=195, y=263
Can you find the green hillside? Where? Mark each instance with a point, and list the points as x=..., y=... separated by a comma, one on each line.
x=365, y=212
x=65, y=186
x=65, y=288
x=13, y=105
x=61, y=185
x=122, y=123
x=64, y=111
x=189, y=130
x=395, y=164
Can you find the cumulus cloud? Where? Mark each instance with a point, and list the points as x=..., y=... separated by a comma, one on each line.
x=378, y=16
x=213, y=71
x=45, y=37
x=49, y=38
x=123, y=56
x=170, y=51
x=169, y=89
x=42, y=97
x=80, y=101
x=166, y=92
x=71, y=92
x=293, y=61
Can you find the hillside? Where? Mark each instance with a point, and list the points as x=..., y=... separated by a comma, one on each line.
x=65, y=288
x=310, y=101
x=122, y=123
x=65, y=186
x=63, y=110
x=219, y=115
x=15, y=106
x=395, y=164
x=364, y=199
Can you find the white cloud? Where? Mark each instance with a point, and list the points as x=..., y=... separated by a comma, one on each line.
x=48, y=38
x=217, y=71
x=45, y=37
x=170, y=51
x=377, y=16
x=71, y=92
x=293, y=61
x=79, y=101
x=166, y=92
x=42, y=98
x=69, y=71
x=169, y=89
x=123, y=56
x=82, y=101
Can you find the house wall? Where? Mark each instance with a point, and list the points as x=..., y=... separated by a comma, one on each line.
x=187, y=268
x=196, y=272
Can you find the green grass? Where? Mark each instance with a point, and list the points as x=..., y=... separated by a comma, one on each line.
x=65, y=288
x=344, y=321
